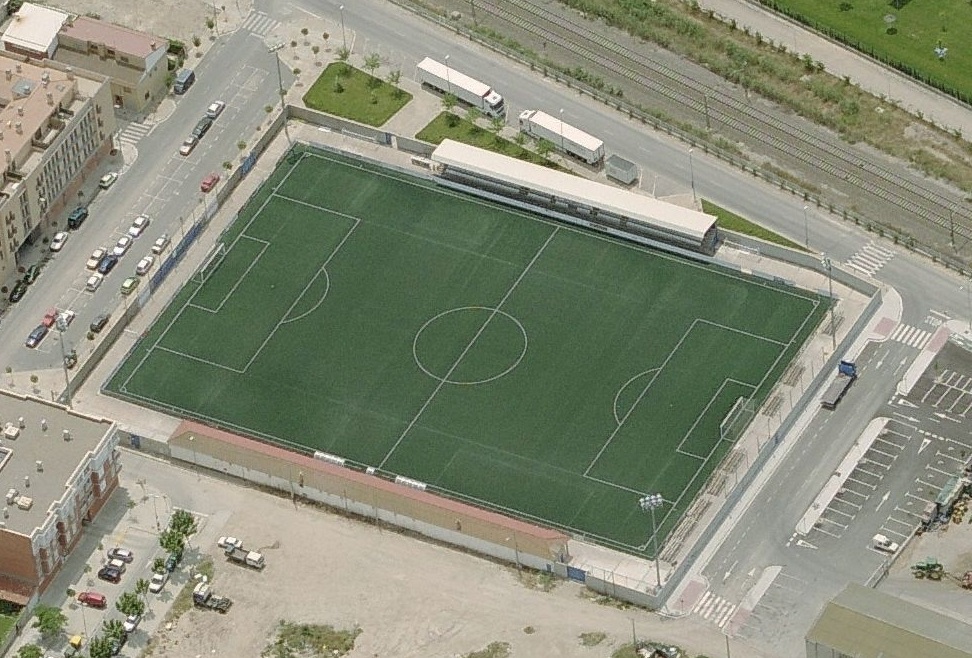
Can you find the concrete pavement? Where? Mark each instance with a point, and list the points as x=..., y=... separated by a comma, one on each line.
x=841, y=61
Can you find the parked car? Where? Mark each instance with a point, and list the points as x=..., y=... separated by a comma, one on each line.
x=161, y=243
x=121, y=247
x=93, y=599
x=18, y=291
x=202, y=127
x=215, y=109
x=95, y=260
x=172, y=561
x=158, y=582
x=50, y=317
x=36, y=336
x=107, y=180
x=110, y=574
x=32, y=273
x=57, y=242
x=229, y=542
x=94, y=282
x=117, y=644
x=138, y=226
x=131, y=623
x=209, y=182
x=144, y=265
x=77, y=217
x=66, y=317
x=107, y=264
x=129, y=285
x=188, y=145
x=115, y=563
x=99, y=322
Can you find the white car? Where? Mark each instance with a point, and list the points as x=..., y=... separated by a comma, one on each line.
x=121, y=247
x=65, y=318
x=229, y=542
x=96, y=257
x=94, y=282
x=144, y=265
x=131, y=623
x=882, y=543
x=188, y=145
x=158, y=582
x=161, y=244
x=215, y=109
x=57, y=243
x=107, y=180
x=138, y=226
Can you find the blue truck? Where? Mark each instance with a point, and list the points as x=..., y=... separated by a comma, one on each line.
x=846, y=374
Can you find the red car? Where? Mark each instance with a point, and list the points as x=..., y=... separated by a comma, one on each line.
x=209, y=182
x=93, y=599
x=50, y=318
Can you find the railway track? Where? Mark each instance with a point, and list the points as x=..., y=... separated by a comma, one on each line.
x=777, y=134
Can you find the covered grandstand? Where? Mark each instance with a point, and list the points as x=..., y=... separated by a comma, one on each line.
x=572, y=198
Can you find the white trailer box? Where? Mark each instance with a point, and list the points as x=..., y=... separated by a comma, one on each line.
x=563, y=136
x=471, y=92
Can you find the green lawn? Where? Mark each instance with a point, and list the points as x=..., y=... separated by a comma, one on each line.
x=7, y=623
x=733, y=222
x=345, y=91
x=450, y=126
x=521, y=364
x=909, y=40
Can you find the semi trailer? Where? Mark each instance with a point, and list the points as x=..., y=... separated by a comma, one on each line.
x=472, y=92
x=567, y=138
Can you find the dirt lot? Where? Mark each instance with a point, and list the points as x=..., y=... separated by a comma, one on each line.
x=409, y=597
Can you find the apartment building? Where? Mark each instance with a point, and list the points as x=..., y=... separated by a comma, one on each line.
x=135, y=61
x=57, y=470
x=56, y=123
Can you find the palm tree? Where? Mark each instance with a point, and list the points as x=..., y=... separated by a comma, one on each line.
x=141, y=587
x=113, y=628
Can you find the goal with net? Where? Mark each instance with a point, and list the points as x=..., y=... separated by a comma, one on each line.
x=210, y=263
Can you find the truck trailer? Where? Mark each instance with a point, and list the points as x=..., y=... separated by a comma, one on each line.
x=565, y=137
x=242, y=556
x=846, y=374
x=472, y=92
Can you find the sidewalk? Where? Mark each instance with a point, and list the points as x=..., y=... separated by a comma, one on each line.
x=841, y=61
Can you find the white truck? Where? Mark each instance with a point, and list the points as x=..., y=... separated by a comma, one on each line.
x=242, y=556
x=471, y=92
x=882, y=543
x=565, y=137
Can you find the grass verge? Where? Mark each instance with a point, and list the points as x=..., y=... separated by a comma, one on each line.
x=733, y=222
x=347, y=92
x=494, y=650
x=183, y=600
x=450, y=126
x=6, y=624
x=310, y=641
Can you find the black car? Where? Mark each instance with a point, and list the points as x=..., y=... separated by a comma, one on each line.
x=77, y=217
x=36, y=336
x=107, y=264
x=18, y=291
x=111, y=574
x=99, y=322
x=202, y=127
x=31, y=274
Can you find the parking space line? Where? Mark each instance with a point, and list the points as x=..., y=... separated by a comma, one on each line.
x=881, y=452
x=888, y=531
x=939, y=453
x=854, y=505
x=872, y=487
x=840, y=525
x=964, y=445
x=877, y=475
x=890, y=443
x=863, y=496
x=826, y=532
x=929, y=467
x=897, y=520
x=924, y=398
x=909, y=512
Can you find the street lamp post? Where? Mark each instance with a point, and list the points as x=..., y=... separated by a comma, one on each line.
x=344, y=37
x=192, y=444
x=695, y=199
x=648, y=504
x=826, y=262
x=274, y=50
x=61, y=328
x=561, y=129
x=806, y=227
x=448, y=81
x=968, y=289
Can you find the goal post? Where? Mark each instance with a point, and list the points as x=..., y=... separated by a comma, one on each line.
x=737, y=420
x=210, y=263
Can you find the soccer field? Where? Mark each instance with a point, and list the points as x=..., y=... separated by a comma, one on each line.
x=510, y=361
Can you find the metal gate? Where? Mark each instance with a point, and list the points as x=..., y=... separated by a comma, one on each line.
x=576, y=574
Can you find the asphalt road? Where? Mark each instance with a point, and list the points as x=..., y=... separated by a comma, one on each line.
x=159, y=183
x=240, y=71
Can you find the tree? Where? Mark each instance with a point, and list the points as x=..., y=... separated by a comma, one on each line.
x=304, y=31
x=100, y=647
x=343, y=54
x=50, y=621
x=393, y=79
x=472, y=116
x=449, y=102
x=141, y=587
x=372, y=62
x=544, y=147
x=183, y=522
x=129, y=604
x=30, y=651
x=171, y=540
x=496, y=124
x=158, y=566
x=113, y=628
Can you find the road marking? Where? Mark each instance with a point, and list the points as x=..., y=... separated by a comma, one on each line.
x=884, y=499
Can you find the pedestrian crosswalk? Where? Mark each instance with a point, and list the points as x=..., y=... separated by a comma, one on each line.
x=912, y=336
x=715, y=609
x=870, y=258
x=133, y=132
x=260, y=24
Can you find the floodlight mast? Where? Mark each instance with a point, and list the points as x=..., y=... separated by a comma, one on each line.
x=648, y=504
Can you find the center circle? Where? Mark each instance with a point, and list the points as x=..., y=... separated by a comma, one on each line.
x=469, y=345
